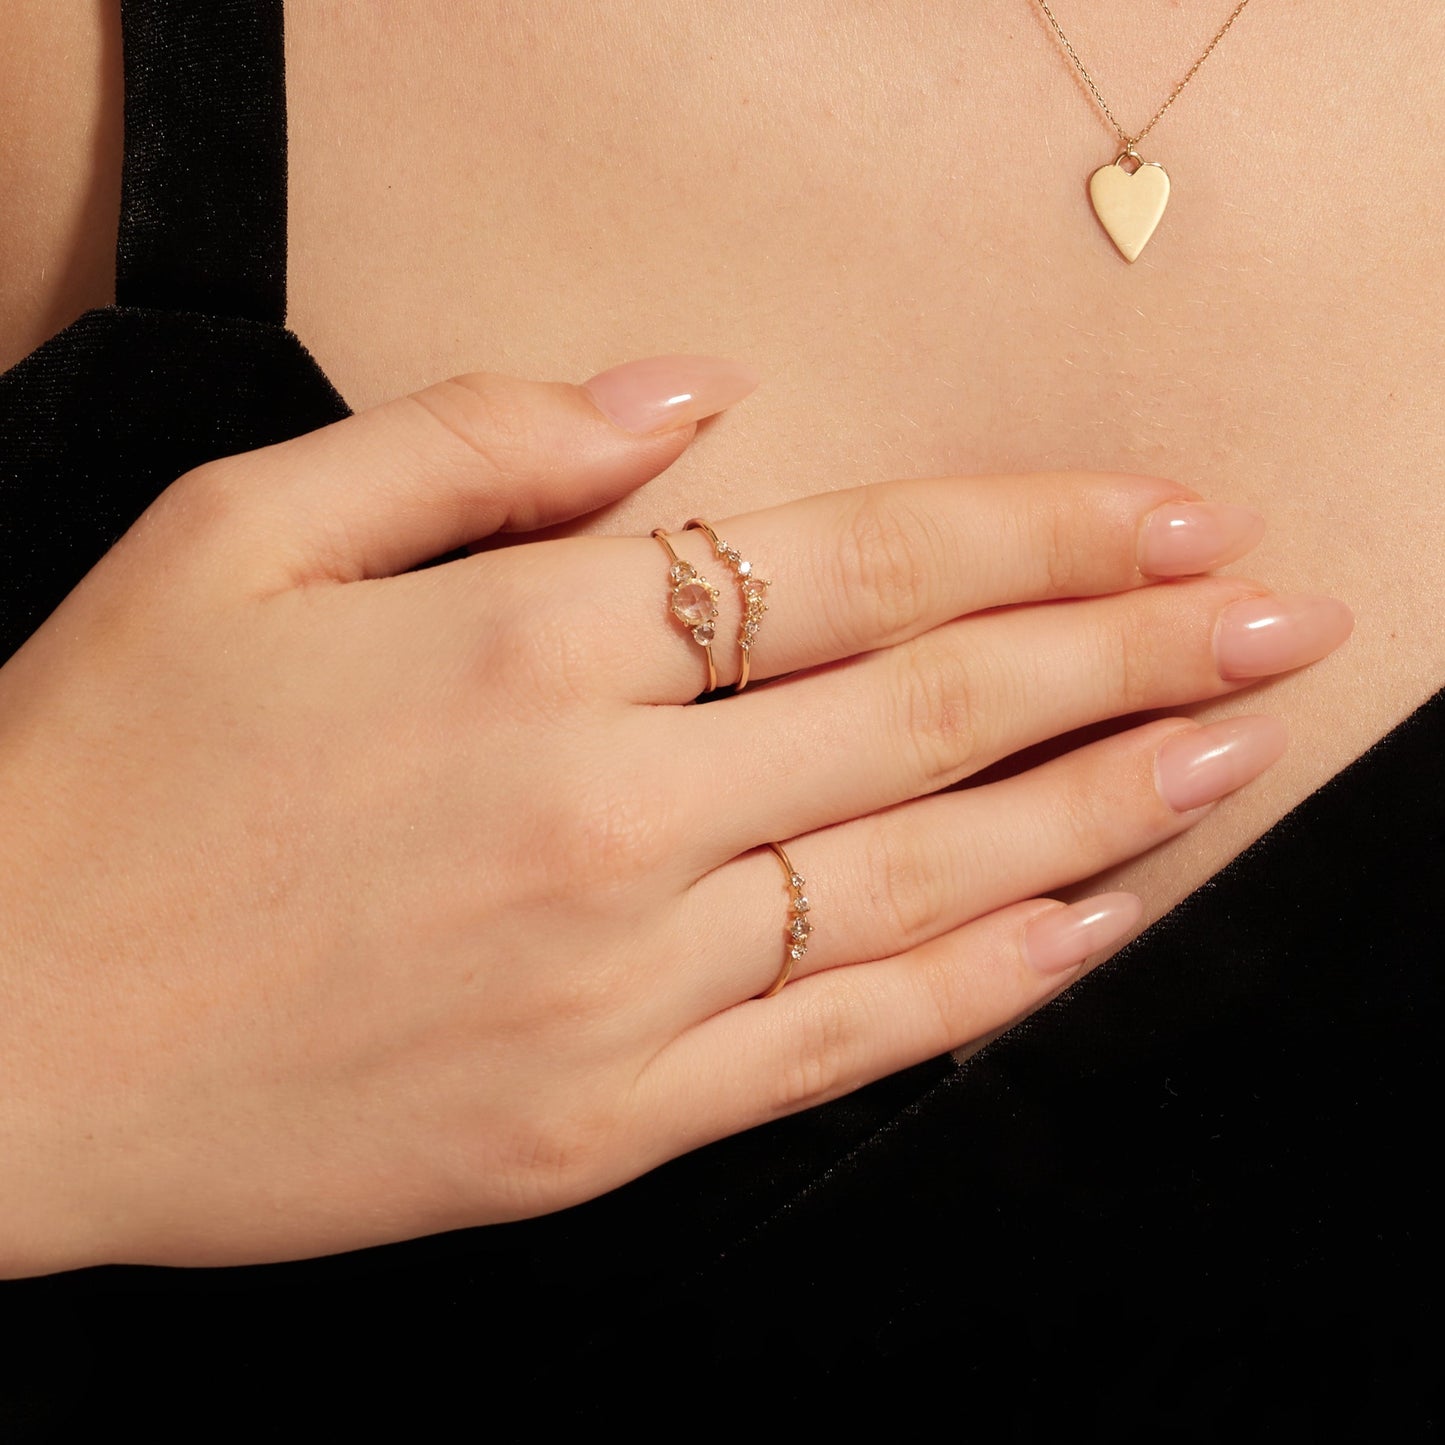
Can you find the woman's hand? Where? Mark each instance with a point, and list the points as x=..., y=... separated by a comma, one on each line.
x=342, y=903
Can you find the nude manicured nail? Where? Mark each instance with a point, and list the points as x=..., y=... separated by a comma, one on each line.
x=668, y=391
x=1066, y=937
x=1199, y=767
x=1264, y=635
x=1181, y=538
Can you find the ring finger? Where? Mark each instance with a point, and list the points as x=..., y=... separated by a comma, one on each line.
x=880, y=885
x=849, y=739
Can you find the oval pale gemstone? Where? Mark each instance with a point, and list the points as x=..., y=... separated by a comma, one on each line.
x=693, y=603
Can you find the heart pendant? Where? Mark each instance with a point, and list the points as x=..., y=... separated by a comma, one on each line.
x=1129, y=203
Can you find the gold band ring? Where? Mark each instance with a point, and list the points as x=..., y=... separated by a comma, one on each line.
x=754, y=595
x=799, y=925
x=694, y=603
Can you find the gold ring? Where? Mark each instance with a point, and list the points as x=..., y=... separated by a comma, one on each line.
x=694, y=603
x=799, y=925
x=754, y=596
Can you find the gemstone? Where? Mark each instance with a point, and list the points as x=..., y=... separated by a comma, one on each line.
x=801, y=905
x=797, y=951
x=801, y=928
x=680, y=571
x=704, y=633
x=745, y=569
x=692, y=602
x=796, y=881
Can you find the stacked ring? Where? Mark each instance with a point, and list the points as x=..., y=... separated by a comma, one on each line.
x=694, y=603
x=799, y=924
x=754, y=596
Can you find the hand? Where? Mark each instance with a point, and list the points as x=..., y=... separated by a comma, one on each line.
x=342, y=903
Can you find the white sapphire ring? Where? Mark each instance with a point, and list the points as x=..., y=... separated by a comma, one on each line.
x=799, y=926
x=694, y=603
x=754, y=590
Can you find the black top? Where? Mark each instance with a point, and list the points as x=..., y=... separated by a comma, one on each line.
x=1191, y=1200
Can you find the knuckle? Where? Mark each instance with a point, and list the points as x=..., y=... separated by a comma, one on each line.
x=619, y=836
x=901, y=882
x=937, y=707
x=1093, y=818
x=1056, y=531
x=484, y=414
x=888, y=557
x=947, y=1007
x=541, y=651
x=1132, y=658
x=831, y=1033
x=555, y=1161
x=204, y=502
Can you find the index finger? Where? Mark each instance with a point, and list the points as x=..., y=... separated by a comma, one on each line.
x=852, y=571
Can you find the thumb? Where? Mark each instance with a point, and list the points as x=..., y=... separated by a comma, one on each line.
x=417, y=477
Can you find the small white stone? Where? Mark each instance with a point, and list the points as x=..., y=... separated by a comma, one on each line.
x=704, y=634
x=801, y=905
x=745, y=569
x=796, y=881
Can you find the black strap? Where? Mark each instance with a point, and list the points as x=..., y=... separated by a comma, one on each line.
x=203, y=188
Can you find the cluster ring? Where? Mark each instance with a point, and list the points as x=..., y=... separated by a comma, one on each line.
x=752, y=588
x=694, y=603
x=799, y=926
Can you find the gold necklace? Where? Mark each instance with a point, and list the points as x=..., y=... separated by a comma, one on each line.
x=1129, y=203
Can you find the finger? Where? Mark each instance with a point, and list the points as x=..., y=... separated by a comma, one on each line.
x=837, y=1030
x=897, y=724
x=882, y=884
x=866, y=568
x=419, y=476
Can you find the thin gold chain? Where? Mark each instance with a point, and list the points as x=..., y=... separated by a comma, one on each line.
x=1132, y=140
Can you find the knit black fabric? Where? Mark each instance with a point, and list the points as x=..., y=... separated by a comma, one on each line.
x=1192, y=1200
x=203, y=187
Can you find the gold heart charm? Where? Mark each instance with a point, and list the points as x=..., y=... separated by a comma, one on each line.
x=1129, y=204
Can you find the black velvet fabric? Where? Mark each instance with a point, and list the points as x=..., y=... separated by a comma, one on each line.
x=203, y=187
x=1193, y=1200
x=103, y=417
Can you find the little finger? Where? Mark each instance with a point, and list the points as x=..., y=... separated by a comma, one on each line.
x=830, y=1034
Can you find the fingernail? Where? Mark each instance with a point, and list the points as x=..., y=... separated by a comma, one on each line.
x=668, y=391
x=1264, y=635
x=1180, y=538
x=1199, y=767
x=1066, y=937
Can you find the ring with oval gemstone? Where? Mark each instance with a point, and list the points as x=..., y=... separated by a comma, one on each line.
x=753, y=589
x=799, y=926
x=694, y=603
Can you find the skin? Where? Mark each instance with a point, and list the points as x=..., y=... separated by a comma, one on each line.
x=309, y=942
x=1267, y=348
x=1259, y=351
